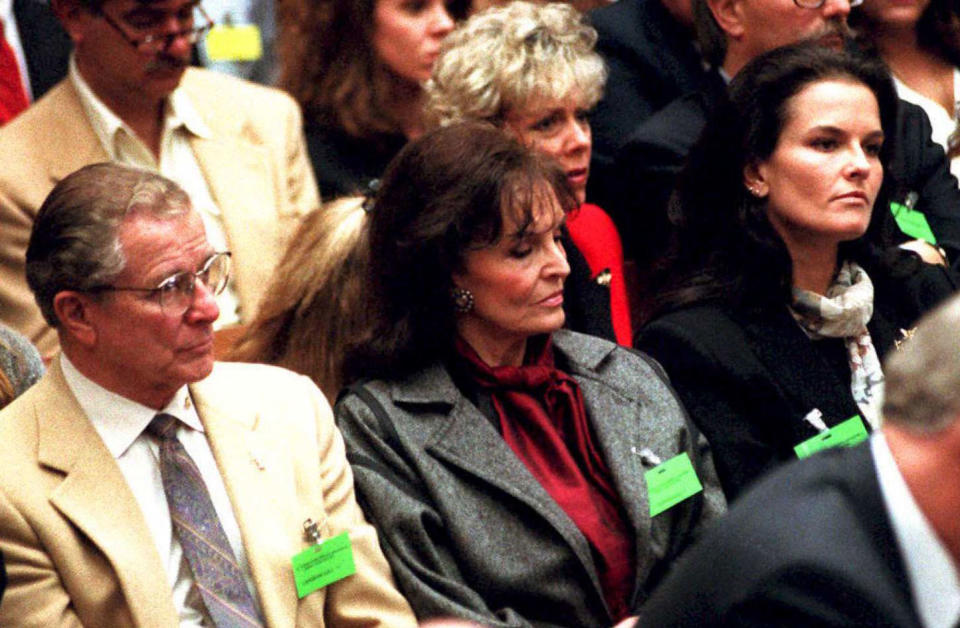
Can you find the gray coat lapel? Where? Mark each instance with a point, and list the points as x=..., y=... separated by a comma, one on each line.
x=630, y=412
x=467, y=440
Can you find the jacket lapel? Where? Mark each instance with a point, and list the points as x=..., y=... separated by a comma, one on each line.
x=622, y=435
x=467, y=440
x=95, y=496
x=260, y=484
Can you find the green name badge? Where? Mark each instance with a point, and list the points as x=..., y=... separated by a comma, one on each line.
x=846, y=434
x=239, y=42
x=912, y=223
x=670, y=483
x=320, y=565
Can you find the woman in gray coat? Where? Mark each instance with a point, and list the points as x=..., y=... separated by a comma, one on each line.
x=504, y=460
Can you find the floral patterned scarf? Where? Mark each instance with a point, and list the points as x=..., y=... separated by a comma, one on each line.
x=844, y=313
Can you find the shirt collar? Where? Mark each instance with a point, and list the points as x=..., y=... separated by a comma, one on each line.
x=930, y=569
x=118, y=420
x=179, y=113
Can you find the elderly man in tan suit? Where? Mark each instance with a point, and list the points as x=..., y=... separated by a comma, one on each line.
x=235, y=147
x=141, y=484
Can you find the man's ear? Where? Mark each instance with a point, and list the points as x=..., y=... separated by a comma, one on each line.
x=729, y=16
x=72, y=16
x=754, y=179
x=73, y=310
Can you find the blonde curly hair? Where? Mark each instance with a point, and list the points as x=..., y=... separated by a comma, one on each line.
x=509, y=57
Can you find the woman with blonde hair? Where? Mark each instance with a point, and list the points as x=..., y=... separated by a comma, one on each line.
x=356, y=68
x=531, y=69
x=313, y=310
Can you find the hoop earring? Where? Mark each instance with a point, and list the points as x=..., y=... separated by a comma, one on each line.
x=462, y=300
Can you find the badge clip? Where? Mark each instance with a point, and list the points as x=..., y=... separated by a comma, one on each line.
x=311, y=531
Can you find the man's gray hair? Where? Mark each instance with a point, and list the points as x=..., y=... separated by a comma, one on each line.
x=74, y=244
x=922, y=388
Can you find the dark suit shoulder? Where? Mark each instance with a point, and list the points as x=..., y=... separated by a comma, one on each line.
x=618, y=21
x=676, y=127
x=808, y=545
x=46, y=44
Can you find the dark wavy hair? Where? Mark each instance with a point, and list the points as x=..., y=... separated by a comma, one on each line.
x=723, y=245
x=329, y=65
x=443, y=195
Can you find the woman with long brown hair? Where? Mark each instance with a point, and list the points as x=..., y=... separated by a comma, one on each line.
x=355, y=67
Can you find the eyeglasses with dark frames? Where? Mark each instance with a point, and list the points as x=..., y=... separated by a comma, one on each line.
x=816, y=4
x=155, y=42
x=176, y=292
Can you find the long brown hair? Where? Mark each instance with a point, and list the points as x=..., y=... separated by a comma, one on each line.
x=328, y=63
x=314, y=309
x=444, y=194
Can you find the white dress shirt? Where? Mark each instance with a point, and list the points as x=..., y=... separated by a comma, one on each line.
x=121, y=423
x=177, y=162
x=930, y=569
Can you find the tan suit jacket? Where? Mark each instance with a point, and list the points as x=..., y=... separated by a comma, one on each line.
x=77, y=546
x=255, y=165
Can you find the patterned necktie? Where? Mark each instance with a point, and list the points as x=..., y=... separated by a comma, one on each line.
x=215, y=570
x=13, y=97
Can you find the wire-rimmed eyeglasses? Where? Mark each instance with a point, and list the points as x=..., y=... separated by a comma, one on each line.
x=155, y=42
x=816, y=4
x=176, y=292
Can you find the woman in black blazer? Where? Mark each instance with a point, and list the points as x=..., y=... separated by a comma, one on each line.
x=782, y=291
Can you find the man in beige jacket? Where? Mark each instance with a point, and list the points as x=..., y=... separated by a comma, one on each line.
x=141, y=484
x=235, y=147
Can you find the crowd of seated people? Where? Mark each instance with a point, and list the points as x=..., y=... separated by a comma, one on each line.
x=444, y=395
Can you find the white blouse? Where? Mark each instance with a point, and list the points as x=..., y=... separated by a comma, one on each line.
x=943, y=122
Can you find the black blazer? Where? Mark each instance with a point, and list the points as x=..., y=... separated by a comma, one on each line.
x=647, y=166
x=748, y=377
x=343, y=164
x=809, y=546
x=46, y=45
x=651, y=60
